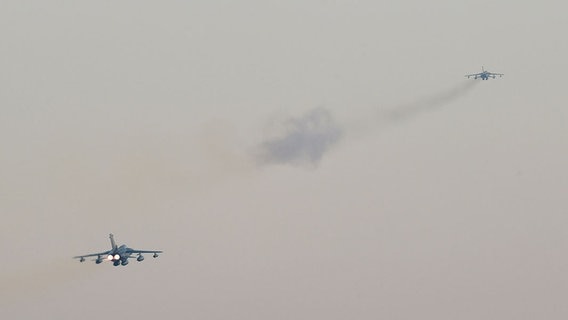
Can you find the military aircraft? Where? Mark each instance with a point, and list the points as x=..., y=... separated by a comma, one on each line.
x=484, y=75
x=118, y=255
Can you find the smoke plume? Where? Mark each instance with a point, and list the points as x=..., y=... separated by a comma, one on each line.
x=430, y=103
x=304, y=141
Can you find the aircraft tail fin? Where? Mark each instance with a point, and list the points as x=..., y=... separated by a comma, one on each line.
x=112, y=243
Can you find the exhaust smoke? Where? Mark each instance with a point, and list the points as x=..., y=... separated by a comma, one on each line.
x=407, y=111
x=304, y=141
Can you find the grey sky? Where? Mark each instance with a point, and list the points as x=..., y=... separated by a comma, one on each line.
x=139, y=117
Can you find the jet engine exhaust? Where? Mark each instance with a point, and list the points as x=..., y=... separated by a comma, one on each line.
x=429, y=103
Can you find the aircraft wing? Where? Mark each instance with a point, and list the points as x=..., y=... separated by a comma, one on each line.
x=92, y=255
x=496, y=74
x=144, y=251
x=473, y=75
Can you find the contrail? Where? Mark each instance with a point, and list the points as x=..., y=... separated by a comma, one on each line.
x=304, y=142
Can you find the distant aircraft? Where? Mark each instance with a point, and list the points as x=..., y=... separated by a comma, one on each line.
x=118, y=255
x=484, y=75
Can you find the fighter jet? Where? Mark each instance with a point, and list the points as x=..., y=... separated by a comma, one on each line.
x=118, y=255
x=484, y=75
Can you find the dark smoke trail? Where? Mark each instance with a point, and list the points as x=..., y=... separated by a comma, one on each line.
x=307, y=138
x=304, y=141
x=436, y=101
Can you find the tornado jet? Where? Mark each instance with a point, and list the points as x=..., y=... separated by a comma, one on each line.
x=484, y=75
x=118, y=255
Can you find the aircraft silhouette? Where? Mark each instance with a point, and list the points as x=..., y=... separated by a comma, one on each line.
x=484, y=75
x=118, y=254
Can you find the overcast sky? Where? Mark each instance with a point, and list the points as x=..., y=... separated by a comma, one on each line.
x=314, y=159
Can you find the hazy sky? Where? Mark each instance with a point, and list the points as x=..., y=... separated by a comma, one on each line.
x=294, y=159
